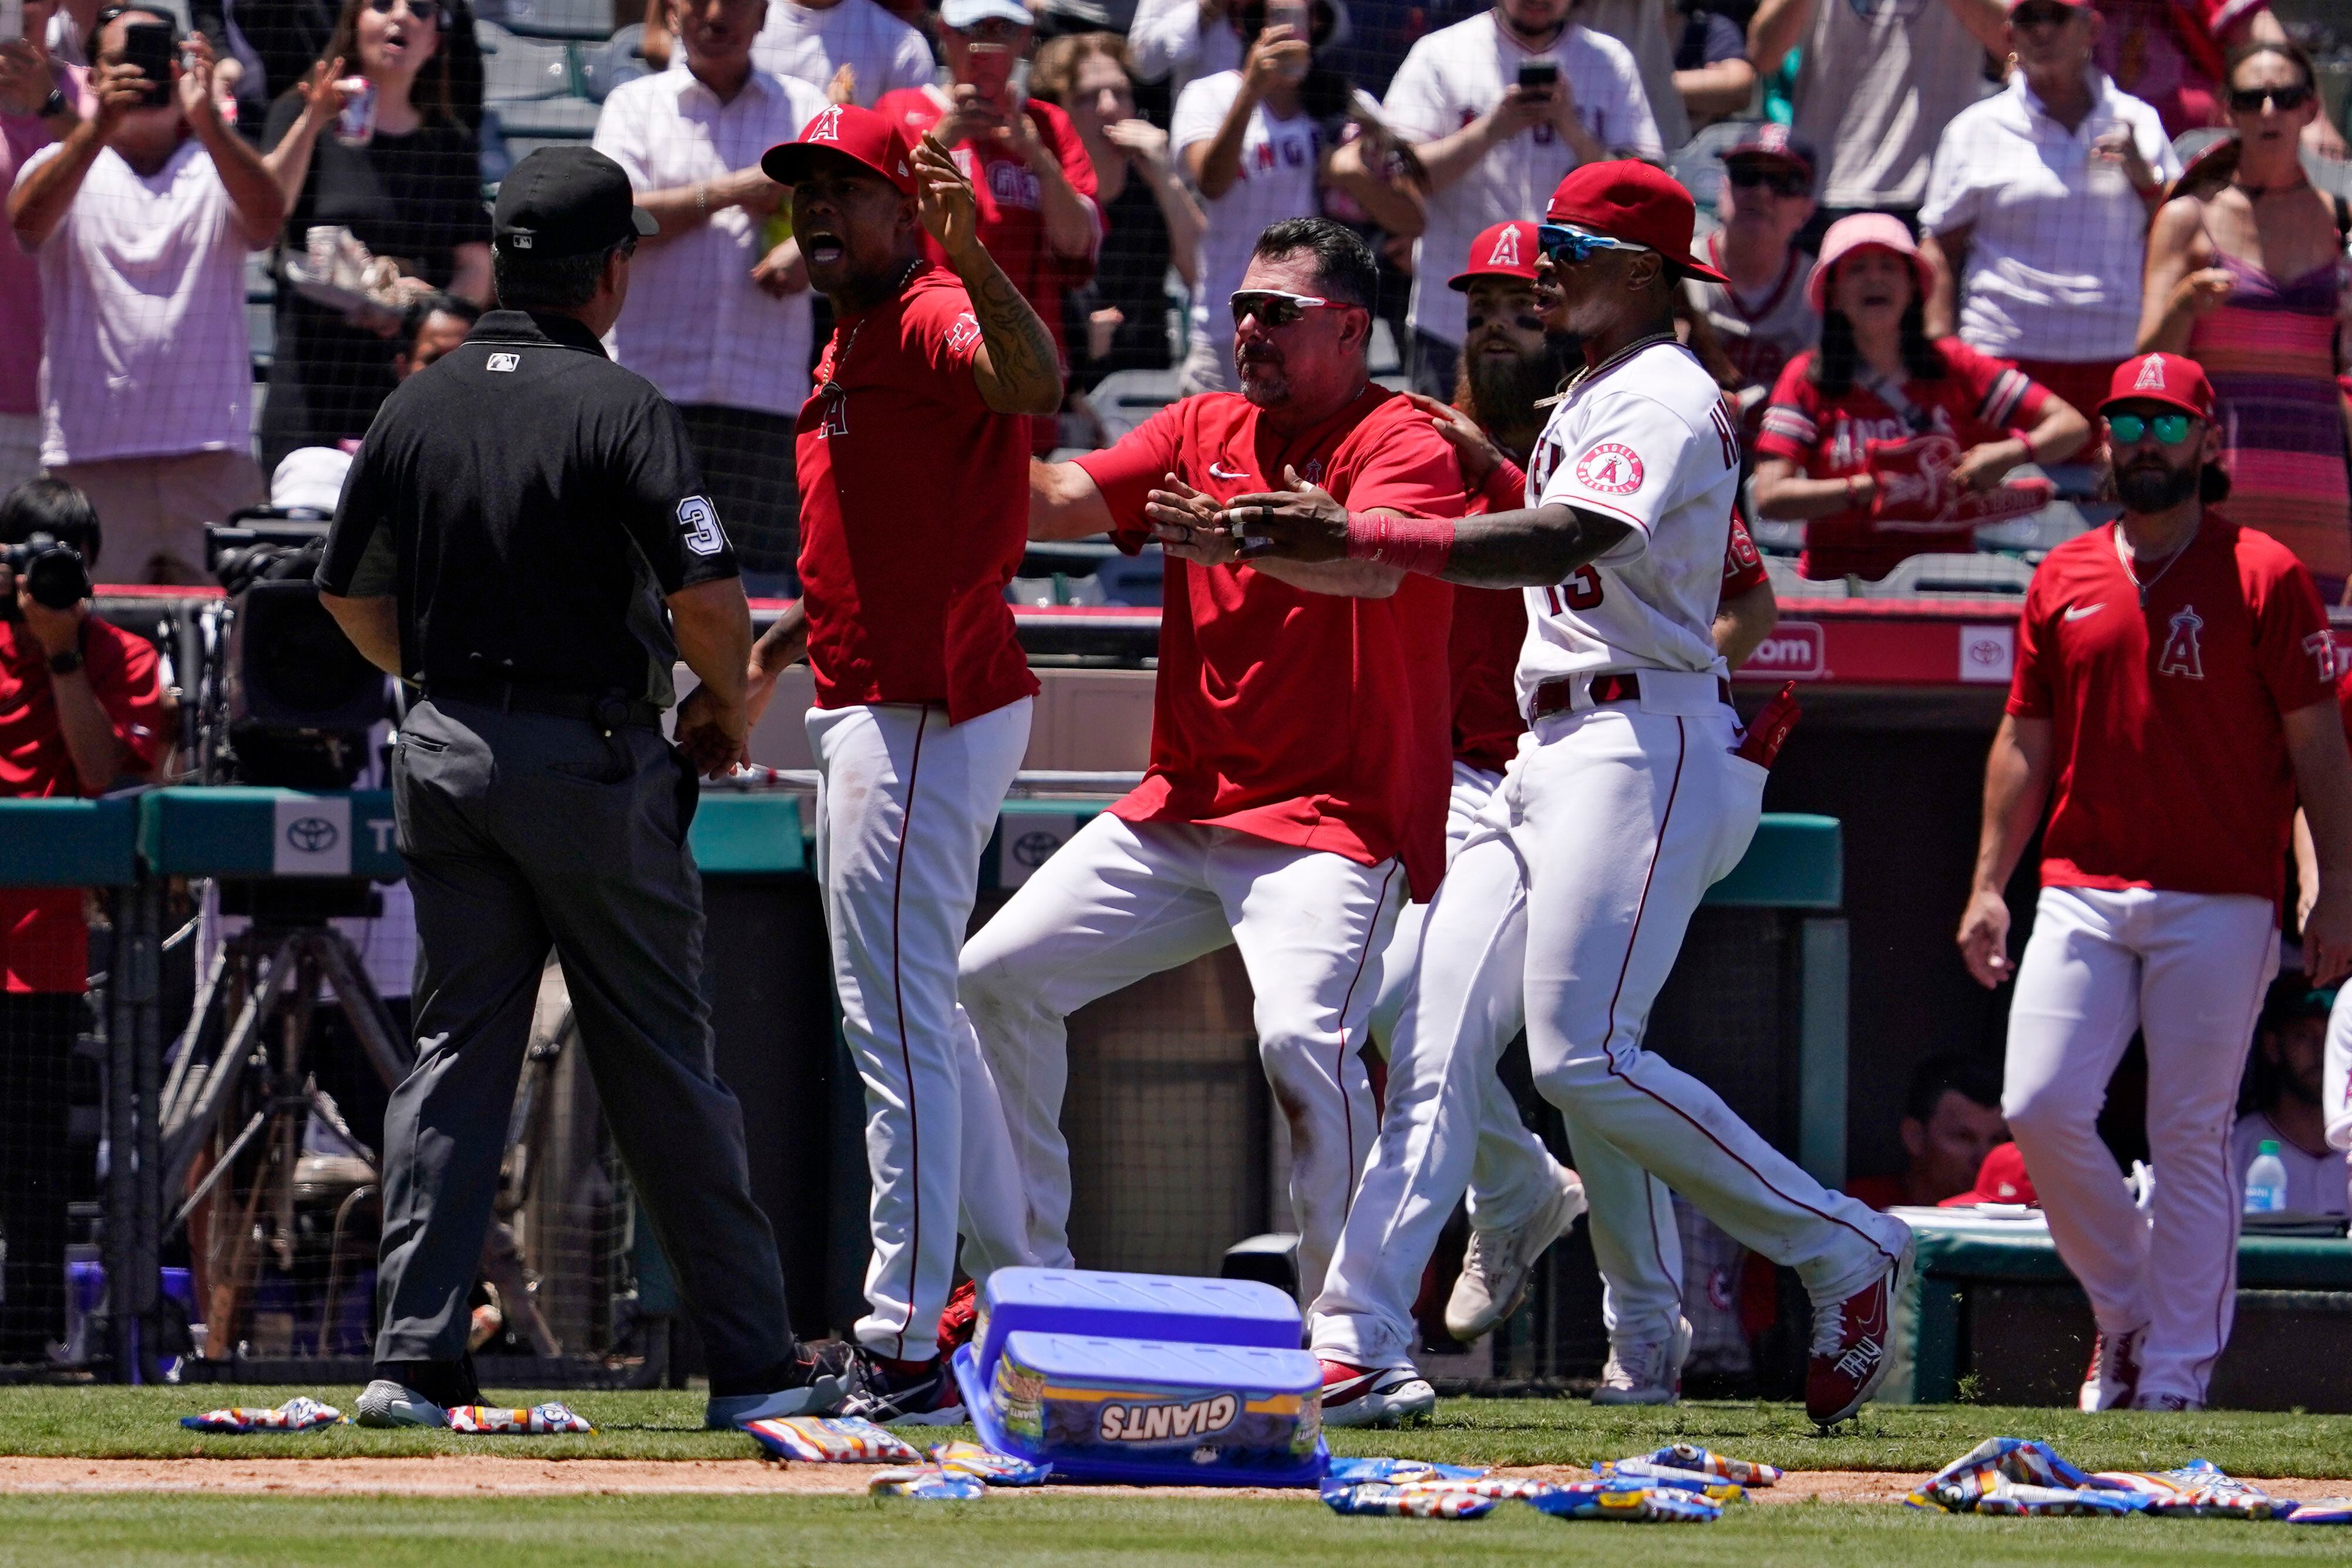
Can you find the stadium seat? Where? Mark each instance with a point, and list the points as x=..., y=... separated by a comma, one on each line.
x=1787, y=585
x=574, y=21
x=608, y=66
x=1971, y=576
x=522, y=70
x=1125, y=399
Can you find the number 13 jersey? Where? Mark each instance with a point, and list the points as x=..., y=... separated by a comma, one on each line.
x=1644, y=439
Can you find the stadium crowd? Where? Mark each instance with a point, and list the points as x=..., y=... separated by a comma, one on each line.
x=1940, y=227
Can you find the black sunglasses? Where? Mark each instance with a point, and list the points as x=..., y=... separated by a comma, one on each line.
x=423, y=12
x=2042, y=15
x=1780, y=182
x=2250, y=99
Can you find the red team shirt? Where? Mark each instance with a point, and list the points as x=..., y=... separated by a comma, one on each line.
x=1305, y=719
x=2172, y=765
x=1012, y=212
x=913, y=512
x=1980, y=399
x=43, y=940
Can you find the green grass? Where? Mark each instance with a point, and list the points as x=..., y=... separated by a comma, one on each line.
x=144, y=1422
x=192, y=1531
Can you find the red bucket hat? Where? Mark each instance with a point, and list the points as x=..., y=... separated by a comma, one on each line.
x=2162, y=378
x=858, y=134
x=1504, y=250
x=1627, y=199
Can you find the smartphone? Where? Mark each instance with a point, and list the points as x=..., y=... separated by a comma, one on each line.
x=1294, y=15
x=151, y=46
x=1538, y=76
x=11, y=20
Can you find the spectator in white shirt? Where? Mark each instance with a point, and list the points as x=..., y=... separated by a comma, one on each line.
x=2037, y=212
x=1182, y=40
x=2288, y=1073
x=719, y=316
x=818, y=42
x=1877, y=82
x=142, y=219
x=1492, y=148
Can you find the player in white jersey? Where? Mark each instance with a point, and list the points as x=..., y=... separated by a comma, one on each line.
x=1567, y=904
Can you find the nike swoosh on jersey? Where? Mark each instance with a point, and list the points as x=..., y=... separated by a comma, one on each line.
x=1217, y=473
x=2077, y=612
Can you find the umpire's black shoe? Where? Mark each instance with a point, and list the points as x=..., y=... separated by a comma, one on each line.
x=813, y=1383
x=904, y=1394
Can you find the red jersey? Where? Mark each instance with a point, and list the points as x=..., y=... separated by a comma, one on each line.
x=43, y=942
x=1303, y=717
x=2172, y=764
x=1012, y=209
x=913, y=512
x=1489, y=624
x=1978, y=399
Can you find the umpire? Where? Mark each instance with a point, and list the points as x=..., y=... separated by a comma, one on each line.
x=524, y=536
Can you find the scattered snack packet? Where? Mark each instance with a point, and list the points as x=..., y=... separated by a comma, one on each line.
x=1691, y=1456
x=832, y=1440
x=1650, y=1473
x=2018, y=1499
x=2228, y=1499
x=1957, y=1486
x=2316, y=1511
x=1519, y=1487
x=1404, y=1502
x=2194, y=1474
x=300, y=1413
x=927, y=1481
x=537, y=1421
x=1350, y=1471
x=960, y=1458
x=1626, y=1501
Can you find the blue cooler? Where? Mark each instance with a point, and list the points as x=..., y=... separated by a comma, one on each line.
x=1145, y=1378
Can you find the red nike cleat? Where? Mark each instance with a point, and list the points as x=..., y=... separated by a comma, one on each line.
x=1373, y=1395
x=2112, y=1380
x=958, y=1318
x=1850, y=1340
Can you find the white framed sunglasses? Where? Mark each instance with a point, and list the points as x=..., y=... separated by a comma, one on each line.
x=1275, y=308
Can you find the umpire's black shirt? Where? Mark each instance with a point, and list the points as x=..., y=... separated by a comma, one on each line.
x=528, y=502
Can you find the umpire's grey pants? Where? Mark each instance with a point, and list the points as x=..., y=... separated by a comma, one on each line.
x=523, y=830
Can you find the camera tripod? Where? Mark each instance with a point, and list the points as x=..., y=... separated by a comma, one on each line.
x=269, y=978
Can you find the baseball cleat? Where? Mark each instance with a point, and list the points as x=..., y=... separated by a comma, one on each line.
x=1850, y=1341
x=958, y=1318
x=384, y=1402
x=2173, y=1404
x=1500, y=1268
x=1374, y=1397
x=904, y=1393
x=2113, y=1378
x=1645, y=1372
x=821, y=1375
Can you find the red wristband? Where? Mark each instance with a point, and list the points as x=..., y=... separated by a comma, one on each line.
x=1505, y=489
x=1414, y=543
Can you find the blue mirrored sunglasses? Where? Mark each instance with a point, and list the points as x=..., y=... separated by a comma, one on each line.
x=1573, y=246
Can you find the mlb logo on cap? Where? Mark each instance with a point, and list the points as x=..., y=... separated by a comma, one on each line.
x=1503, y=250
x=2169, y=379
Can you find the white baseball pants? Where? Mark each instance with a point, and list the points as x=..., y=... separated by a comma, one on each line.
x=905, y=804
x=2187, y=971
x=1635, y=1240
x=1570, y=903
x=2336, y=1074
x=1125, y=900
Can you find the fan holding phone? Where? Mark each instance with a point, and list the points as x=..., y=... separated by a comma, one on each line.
x=148, y=400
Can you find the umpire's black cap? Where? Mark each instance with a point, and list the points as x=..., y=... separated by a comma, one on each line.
x=567, y=201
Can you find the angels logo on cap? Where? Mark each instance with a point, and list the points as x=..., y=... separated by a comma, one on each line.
x=825, y=127
x=1507, y=248
x=2151, y=374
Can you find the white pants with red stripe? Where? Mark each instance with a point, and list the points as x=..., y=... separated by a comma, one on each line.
x=1636, y=1242
x=905, y=804
x=2187, y=971
x=1568, y=905
x=1122, y=900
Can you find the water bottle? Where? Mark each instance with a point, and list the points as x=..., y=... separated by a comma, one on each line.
x=2266, y=1181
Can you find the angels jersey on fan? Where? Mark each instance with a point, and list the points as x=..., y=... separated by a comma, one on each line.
x=1644, y=439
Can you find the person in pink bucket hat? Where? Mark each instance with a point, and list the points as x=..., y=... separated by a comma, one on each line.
x=1884, y=442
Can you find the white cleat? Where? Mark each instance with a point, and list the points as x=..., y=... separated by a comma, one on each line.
x=1645, y=1372
x=1500, y=1268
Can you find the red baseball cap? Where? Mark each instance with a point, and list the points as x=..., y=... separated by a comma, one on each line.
x=2162, y=378
x=1504, y=250
x=858, y=134
x=2002, y=1179
x=1626, y=198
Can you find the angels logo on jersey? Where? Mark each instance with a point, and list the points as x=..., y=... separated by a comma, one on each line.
x=1612, y=468
x=2181, y=656
x=1312, y=472
x=964, y=334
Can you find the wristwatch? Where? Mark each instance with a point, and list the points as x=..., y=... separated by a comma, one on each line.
x=65, y=663
x=53, y=105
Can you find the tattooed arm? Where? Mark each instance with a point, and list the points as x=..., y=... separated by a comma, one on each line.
x=1534, y=547
x=1017, y=368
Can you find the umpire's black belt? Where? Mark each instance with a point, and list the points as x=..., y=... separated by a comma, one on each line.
x=608, y=712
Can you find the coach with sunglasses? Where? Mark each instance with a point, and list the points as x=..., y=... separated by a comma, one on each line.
x=1301, y=747
x=2038, y=205
x=1761, y=311
x=524, y=536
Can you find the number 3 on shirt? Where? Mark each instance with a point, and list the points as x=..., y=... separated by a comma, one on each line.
x=1583, y=591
